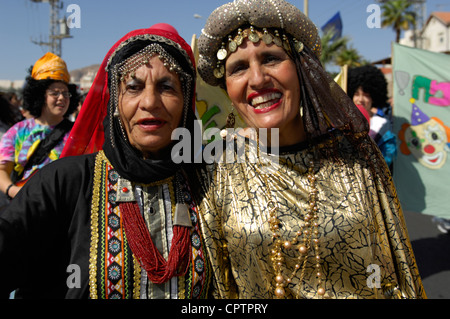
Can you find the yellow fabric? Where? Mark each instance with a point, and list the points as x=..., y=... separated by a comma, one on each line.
x=361, y=227
x=341, y=78
x=50, y=66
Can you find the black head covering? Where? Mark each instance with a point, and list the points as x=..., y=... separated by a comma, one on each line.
x=127, y=160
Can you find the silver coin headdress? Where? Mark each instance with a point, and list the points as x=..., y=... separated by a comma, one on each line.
x=271, y=21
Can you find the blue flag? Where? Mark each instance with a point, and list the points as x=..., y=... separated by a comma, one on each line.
x=335, y=24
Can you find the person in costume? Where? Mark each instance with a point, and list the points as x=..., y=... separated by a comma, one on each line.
x=321, y=219
x=7, y=119
x=114, y=217
x=367, y=87
x=29, y=145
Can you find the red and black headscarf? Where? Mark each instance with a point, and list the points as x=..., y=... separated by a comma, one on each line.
x=96, y=128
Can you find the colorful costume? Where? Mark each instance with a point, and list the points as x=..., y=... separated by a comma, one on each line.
x=372, y=82
x=22, y=140
x=19, y=142
x=381, y=132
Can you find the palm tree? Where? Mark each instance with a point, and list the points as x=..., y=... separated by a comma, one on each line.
x=398, y=15
x=331, y=48
x=350, y=57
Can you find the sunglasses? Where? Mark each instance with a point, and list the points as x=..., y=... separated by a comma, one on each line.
x=55, y=94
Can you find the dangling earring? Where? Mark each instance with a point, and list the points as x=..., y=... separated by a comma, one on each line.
x=117, y=116
x=231, y=119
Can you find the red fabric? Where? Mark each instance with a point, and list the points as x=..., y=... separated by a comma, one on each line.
x=87, y=134
x=364, y=112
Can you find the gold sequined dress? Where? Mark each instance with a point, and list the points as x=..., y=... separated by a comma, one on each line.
x=363, y=243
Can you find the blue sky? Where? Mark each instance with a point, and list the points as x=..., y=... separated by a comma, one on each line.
x=104, y=22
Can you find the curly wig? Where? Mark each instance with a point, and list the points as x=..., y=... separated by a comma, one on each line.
x=34, y=95
x=371, y=80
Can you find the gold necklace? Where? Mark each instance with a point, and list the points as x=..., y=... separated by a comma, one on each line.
x=305, y=240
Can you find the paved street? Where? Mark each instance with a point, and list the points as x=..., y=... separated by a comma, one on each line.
x=432, y=250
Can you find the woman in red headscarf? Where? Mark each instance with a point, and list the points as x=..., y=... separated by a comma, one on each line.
x=118, y=221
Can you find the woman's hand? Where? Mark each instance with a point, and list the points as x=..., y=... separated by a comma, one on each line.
x=13, y=190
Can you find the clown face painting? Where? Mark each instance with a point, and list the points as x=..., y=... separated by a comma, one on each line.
x=426, y=139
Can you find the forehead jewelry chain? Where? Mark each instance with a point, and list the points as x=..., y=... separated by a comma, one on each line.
x=255, y=35
x=305, y=240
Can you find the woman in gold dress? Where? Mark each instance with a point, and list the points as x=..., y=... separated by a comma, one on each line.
x=316, y=216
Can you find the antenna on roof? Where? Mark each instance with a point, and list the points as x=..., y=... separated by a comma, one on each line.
x=58, y=28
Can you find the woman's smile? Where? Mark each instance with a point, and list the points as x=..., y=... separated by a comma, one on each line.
x=265, y=100
x=263, y=84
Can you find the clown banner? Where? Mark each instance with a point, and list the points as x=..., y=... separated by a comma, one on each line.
x=422, y=124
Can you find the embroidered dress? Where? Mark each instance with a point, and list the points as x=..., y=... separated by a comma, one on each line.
x=19, y=142
x=86, y=251
x=118, y=274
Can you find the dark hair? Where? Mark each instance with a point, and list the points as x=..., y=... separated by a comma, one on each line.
x=6, y=112
x=9, y=95
x=34, y=95
x=371, y=80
